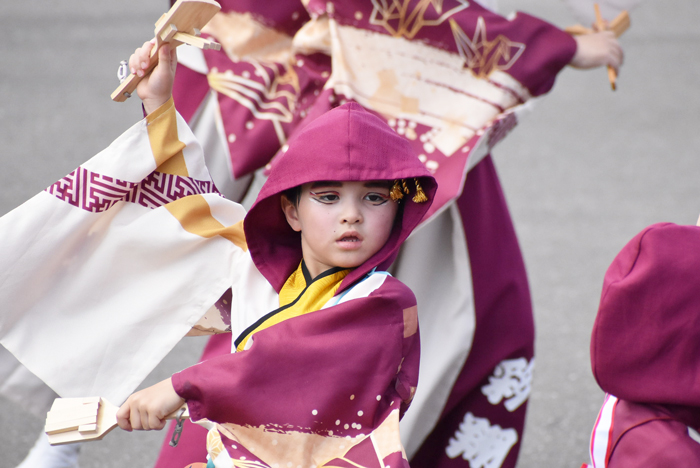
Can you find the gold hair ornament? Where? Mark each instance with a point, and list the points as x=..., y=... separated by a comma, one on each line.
x=400, y=187
x=420, y=196
x=396, y=194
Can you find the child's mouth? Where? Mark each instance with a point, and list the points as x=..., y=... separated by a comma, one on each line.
x=350, y=240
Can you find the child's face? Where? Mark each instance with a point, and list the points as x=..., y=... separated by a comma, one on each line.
x=342, y=224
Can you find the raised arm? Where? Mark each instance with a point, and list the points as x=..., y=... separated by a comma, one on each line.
x=156, y=88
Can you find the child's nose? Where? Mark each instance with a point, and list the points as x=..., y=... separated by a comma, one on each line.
x=352, y=214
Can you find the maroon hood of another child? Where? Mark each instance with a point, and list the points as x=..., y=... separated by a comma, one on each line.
x=346, y=143
x=646, y=338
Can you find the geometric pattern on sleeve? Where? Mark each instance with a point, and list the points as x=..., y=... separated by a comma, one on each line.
x=96, y=193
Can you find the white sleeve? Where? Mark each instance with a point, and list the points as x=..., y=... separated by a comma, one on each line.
x=105, y=271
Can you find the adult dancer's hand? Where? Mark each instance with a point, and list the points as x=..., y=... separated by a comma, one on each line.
x=597, y=50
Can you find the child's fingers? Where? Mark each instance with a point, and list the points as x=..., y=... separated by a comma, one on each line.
x=144, y=419
x=148, y=418
x=133, y=62
x=164, y=53
x=139, y=60
x=123, y=415
x=135, y=419
x=173, y=57
x=165, y=56
x=167, y=59
x=154, y=422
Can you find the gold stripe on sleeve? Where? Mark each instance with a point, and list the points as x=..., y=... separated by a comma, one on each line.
x=165, y=144
x=195, y=216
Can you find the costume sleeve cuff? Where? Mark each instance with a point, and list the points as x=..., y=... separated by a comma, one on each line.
x=184, y=388
x=162, y=125
x=163, y=109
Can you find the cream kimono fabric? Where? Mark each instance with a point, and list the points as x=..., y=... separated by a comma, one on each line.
x=105, y=271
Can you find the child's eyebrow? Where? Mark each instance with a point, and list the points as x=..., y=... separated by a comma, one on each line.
x=336, y=183
x=327, y=183
x=377, y=184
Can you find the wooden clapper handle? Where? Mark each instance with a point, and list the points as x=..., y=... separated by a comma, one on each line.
x=180, y=25
x=73, y=420
x=619, y=25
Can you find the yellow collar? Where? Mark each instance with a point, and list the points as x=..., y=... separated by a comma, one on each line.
x=300, y=295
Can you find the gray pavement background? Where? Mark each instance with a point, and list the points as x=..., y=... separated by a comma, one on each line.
x=583, y=174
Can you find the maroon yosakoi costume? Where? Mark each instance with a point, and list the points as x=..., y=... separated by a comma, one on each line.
x=452, y=78
x=324, y=379
x=324, y=367
x=644, y=353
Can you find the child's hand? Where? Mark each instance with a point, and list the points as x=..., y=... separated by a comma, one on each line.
x=597, y=50
x=156, y=88
x=147, y=409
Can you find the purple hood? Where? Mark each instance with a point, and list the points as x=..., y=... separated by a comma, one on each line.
x=646, y=338
x=346, y=143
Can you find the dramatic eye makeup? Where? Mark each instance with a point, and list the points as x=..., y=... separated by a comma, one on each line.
x=325, y=196
x=377, y=198
x=324, y=192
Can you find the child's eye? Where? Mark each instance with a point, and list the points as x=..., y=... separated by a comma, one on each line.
x=377, y=198
x=325, y=197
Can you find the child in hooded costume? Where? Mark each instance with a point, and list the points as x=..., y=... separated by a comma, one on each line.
x=644, y=353
x=322, y=377
x=325, y=388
